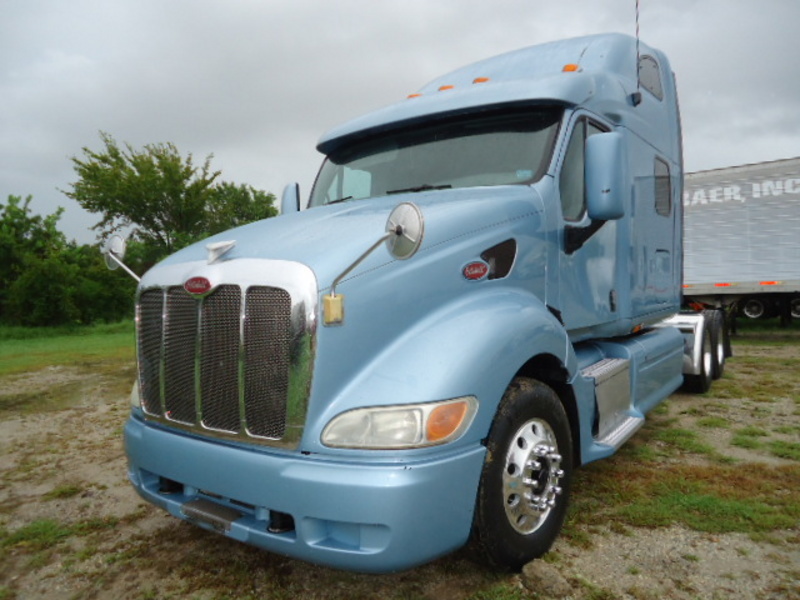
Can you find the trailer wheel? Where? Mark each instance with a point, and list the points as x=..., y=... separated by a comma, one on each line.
x=701, y=383
x=794, y=304
x=754, y=308
x=525, y=483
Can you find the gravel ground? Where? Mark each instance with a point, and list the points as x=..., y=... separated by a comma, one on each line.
x=68, y=466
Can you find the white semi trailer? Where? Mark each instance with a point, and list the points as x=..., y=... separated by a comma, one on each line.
x=742, y=238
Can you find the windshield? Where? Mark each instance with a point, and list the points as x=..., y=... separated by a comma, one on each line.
x=511, y=146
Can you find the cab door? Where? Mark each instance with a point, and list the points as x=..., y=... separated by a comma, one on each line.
x=588, y=249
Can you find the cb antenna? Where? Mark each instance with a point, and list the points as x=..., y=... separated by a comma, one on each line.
x=636, y=97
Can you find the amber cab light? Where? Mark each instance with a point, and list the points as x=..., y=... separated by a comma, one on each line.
x=445, y=420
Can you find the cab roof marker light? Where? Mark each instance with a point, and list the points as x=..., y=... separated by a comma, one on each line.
x=446, y=87
x=571, y=68
x=416, y=95
x=480, y=80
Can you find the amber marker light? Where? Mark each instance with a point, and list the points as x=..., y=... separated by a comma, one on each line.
x=769, y=283
x=480, y=80
x=414, y=95
x=445, y=420
x=722, y=285
x=446, y=87
x=571, y=68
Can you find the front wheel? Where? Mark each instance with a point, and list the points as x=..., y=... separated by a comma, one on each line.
x=524, y=488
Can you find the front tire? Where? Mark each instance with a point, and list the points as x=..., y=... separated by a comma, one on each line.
x=525, y=484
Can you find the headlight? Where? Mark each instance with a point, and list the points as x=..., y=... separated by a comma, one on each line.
x=406, y=426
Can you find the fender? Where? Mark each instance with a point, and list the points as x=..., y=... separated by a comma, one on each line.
x=455, y=351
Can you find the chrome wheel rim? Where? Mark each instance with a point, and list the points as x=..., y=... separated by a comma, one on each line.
x=531, y=476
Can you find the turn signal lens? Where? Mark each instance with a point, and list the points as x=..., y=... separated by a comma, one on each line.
x=445, y=420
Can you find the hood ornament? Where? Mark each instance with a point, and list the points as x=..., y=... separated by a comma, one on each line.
x=217, y=250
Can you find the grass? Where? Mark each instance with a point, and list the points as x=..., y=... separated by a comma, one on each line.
x=684, y=440
x=59, y=361
x=708, y=498
x=31, y=349
x=713, y=423
x=38, y=535
x=63, y=491
x=787, y=450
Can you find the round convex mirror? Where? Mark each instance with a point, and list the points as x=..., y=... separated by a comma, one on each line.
x=407, y=228
x=114, y=246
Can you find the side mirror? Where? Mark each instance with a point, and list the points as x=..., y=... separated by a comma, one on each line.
x=405, y=228
x=605, y=177
x=114, y=251
x=290, y=200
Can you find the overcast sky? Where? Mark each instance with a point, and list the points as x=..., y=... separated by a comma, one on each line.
x=256, y=82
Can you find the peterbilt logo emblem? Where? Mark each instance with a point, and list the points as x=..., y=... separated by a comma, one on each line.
x=476, y=270
x=197, y=285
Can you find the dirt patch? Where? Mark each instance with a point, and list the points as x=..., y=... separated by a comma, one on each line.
x=74, y=528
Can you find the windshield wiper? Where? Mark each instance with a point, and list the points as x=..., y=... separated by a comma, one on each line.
x=339, y=200
x=425, y=187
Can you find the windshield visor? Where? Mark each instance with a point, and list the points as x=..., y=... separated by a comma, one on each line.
x=509, y=146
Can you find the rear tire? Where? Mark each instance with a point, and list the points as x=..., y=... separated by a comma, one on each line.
x=718, y=332
x=525, y=483
x=701, y=383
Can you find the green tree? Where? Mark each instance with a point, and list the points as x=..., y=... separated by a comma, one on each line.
x=24, y=237
x=167, y=200
x=45, y=280
x=232, y=205
x=161, y=194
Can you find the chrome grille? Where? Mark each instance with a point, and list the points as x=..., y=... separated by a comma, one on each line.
x=220, y=364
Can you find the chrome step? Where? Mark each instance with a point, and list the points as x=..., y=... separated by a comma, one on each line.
x=622, y=432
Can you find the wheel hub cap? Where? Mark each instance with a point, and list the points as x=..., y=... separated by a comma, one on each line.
x=531, y=476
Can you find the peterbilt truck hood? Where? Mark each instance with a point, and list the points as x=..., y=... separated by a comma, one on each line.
x=329, y=239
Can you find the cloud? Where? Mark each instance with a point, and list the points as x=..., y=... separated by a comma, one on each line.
x=256, y=83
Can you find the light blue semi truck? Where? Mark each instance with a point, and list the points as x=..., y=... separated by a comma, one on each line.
x=471, y=305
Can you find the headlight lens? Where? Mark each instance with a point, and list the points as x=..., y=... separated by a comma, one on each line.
x=408, y=426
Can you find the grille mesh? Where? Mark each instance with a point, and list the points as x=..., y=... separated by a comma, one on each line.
x=180, y=330
x=220, y=363
x=266, y=361
x=219, y=359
